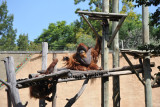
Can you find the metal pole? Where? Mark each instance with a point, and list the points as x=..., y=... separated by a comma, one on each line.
x=105, y=53
x=116, y=82
x=146, y=60
x=44, y=66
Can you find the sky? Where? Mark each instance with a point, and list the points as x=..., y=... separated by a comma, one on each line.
x=32, y=16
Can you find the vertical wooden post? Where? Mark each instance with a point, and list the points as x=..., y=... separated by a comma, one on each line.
x=55, y=88
x=116, y=82
x=11, y=79
x=122, y=44
x=44, y=66
x=8, y=98
x=104, y=58
x=146, y=60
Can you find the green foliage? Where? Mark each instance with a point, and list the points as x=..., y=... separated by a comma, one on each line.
x=23, y=42
x=155, y=17
x=133, y=40
x=154, y=32
x=132, y=22
x=154, y=49
x=57, y=35
x=70, y=46
x=35, y=46
x=86, y=39
x=7, y=33
x=94, y=5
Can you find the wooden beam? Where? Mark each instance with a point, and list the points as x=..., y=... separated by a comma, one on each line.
x=75, y=98
x=13, y=93
x=90, y=25
x=44, y=67
x=54, y=94
x=146, y=60
x=104, y=13
x=116, y=79
x=127, y=72
x=59, y=74
x=129, y=62
x=105, y=56
x=116, y=30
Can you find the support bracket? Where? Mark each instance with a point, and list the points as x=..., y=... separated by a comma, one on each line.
x=133, y=69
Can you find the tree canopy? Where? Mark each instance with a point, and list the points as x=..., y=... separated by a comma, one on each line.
x=155, y=17
x=7, y=33
x=57, y=35
x=23, y=42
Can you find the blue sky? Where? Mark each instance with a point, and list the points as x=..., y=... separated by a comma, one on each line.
x=32, y=16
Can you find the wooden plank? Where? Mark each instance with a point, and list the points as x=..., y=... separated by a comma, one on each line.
x=102, y=14
x=13, y=93
x=104, y=17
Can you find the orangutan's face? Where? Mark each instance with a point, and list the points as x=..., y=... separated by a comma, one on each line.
x=82, y=54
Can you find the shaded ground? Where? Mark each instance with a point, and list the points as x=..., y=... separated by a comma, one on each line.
x=132, y=91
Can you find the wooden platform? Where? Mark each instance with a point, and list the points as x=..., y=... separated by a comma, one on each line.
x=102, y=15
x=139, y=53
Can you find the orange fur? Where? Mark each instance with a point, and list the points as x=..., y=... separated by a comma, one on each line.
x=73, y=62
x=43, y=91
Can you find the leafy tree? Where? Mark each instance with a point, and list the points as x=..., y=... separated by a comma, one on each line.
x=35, y=46
x=7, y=33
x=57, y=35
x=133, y=40
x=81, y=37
x=93, y=5
x=132, y=22
x=23, y=42
x=86, y=39
x=155, y=17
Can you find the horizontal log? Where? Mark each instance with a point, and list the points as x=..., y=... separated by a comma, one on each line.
x=102, y=13
x=73, y=75
x=44, y=77
x=127, y=72
x=137, y=66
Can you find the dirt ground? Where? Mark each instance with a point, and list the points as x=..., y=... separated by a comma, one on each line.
x=131, y=89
